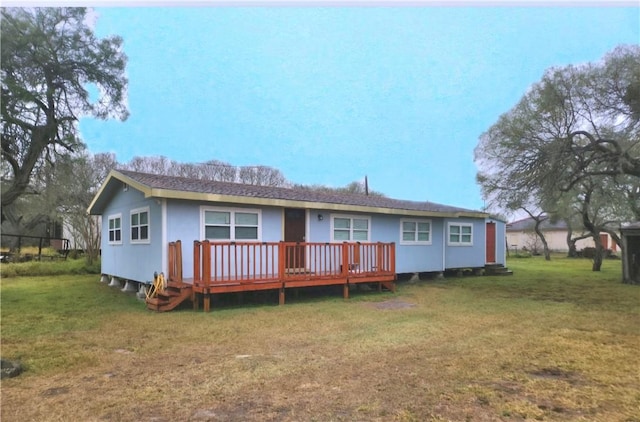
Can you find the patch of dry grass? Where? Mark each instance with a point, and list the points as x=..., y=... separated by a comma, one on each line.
x=552, y=342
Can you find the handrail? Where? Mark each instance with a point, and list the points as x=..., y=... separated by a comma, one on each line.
x=251, y=262
x=175, y=261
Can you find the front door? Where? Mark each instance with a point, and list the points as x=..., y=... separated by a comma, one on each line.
x=604, y=239
x=294, y=231
x=491, y=243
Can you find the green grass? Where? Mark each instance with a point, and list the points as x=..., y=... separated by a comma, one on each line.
x=554, y=341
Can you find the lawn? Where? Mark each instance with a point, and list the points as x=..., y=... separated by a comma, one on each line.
x=554, y=341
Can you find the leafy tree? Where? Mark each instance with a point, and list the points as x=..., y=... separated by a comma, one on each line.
x=601, y=207
x=49, y=60
x=578, y=123
x=605, y=138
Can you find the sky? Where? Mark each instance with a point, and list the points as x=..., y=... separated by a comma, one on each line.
x=329, y=95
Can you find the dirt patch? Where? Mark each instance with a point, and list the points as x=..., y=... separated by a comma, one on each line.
x=392, y=304
x=55, y=391
x=557, y=374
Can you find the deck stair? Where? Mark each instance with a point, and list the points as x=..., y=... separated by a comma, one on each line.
x=169, y=298
x=496, y=269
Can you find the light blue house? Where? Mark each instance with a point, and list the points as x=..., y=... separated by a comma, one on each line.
x=142, y=213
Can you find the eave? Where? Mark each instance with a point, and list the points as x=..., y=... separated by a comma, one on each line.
x=150, y=192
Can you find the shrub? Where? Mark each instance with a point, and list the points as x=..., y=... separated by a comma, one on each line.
x=48, y=268
x=590, y=252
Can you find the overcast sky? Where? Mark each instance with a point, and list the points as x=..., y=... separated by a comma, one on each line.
x=331, y=94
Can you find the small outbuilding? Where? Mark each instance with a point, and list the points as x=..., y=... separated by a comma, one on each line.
x=631, y=253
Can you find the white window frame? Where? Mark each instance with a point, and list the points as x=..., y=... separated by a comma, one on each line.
x=131, y=226
x=460, y=243
x=232, y=224
x=416, y=241
x=350, y=217
x=109, y=229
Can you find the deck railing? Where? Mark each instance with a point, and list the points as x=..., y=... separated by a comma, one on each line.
x=175, y=261
x=251, y=262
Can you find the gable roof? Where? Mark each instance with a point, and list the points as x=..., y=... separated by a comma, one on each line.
x=160, y=186
x=529, y=224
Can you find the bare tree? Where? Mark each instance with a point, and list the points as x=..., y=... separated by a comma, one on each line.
x=80, y=178
x=261, y=176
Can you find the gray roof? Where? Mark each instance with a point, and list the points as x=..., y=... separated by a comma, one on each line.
x=171, y=186
x=529, y=224
x=631, y=228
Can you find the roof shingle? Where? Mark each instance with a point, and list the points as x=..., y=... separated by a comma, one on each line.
x=182, y=184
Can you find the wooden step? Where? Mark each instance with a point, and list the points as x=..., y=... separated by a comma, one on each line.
x=169, y=293
x=390, y=285
x=497, y=269
x=178, y=285
x=154, y=303
x=169, y=299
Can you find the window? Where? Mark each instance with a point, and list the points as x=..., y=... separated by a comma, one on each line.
x=415, y=232
x=140, y=225
x=460, y=234
x=115, y=229
x=228, y=224
x=347, y=229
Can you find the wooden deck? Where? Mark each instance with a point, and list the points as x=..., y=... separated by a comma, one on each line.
x=227, y=267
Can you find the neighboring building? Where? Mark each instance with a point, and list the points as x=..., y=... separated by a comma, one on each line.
x=73, y=234
x=521, y=235
x=631, y=253
x=142, y=213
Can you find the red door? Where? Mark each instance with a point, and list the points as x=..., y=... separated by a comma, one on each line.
x=294, y=229
x=604, y=239
x=491, y=243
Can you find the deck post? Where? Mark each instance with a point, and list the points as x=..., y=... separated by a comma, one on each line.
x=345, y=290
x=392, y=258
x=196, y=262
x=281, y=296
x=196, y=300
x=381, y=263
x=281, y=261
x=206, y=263
x=207, y=302
x=345, y=259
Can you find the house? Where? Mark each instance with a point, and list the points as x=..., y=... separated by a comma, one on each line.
x=143, y=213
x=521, y=235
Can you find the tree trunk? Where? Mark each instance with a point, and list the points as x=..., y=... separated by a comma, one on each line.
x=40, y=138
x=539, y=219
x=597, y=258
x=545, y=245
x=573, y=251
